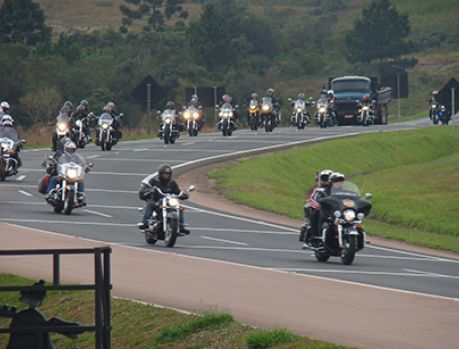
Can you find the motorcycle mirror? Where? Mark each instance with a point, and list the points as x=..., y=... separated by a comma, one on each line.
x=91, y=165
x=368, y=196
x=191, y=188
x=140, y=209
x=50, y=157
x=289, y=99
x=23, y=141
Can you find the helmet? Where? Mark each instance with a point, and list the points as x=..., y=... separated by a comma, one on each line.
x=5, y=106
x=81, y=108
x=70, y=147
x=434, y=92
x=194, y=96
x=226, y=98
x=337, y=177
x=7, y=120
x=165, y=173
x=322, y=176
x=301, y=96
x=366, y=98
x=443, y=108
x=170, y=105
x=84, y=103
x=269, y=91
x=112, y=106
x=330, y=92
x=67, y=105
x=254, y=96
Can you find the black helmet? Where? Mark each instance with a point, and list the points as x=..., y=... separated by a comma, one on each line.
x=165, y=173
x=170, y=105
x=337, y=177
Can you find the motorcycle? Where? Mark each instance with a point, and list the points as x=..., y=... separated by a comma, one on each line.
x=70, y=174
x=169, y=129
x=227, y=124
x=9, y=146
x=268, y=114
x=79, y=136
x=63, y=128
x=366, y=116
x=322, y=114
x=342, y=231
x=254, y=111
x=444, y=115
x=105, y=132
x=434, y=108
x=165, y=226
x=300, y=116
x=192, y=117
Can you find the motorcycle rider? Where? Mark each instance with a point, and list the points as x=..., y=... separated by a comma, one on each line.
x=276, y=103
x=68, y=154
x=111, y=109
x=253, y=97
x=163, y=181
x=194, y=101
x=64, y=116
x=227, y=102
x=331, y=103
x=312, y=206
x=7, y=122
x=432, y=100
x=4, y=108
x=81, y=113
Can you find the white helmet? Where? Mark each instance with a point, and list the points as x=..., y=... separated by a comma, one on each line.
x=5, y=105
x=330, y=92
x=7, y=120
x=70, y=147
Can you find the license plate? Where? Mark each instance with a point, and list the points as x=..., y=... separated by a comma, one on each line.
x=348, y=116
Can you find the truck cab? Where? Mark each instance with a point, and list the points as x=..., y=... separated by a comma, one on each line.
x=349, y=92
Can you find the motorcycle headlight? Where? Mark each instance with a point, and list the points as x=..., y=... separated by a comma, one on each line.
x=266, y=107
x=196, y=115
x=361, y=216
x=365, y=108
x=337, y=214
x=167, y=121
x=230, y=114
x=434, y=106
x=72, y=173
x=220, y=114
x=78, y=123
x=61, y=126
x=322, y=110
x=299, y=110
x=349, y=215
x=5, y=146
x=187, y=115
x=104, y=126
x=253, y=107
x=173, y=202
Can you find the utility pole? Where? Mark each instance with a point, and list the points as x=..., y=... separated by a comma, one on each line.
x=398, y=95
x=149, y=108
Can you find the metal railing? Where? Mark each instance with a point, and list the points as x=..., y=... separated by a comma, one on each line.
x=101, y=287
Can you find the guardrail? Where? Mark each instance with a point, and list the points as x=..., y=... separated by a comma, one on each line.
x=101, y=287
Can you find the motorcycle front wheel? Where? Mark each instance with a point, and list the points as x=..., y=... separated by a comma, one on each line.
x=68, y=204
x=170, y=236
x=348, y=253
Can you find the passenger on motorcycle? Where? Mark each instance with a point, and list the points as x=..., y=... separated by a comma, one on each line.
x=7, y=125
x=312, y=206
x=163, y=181
x=69, y=154
x=4, y=108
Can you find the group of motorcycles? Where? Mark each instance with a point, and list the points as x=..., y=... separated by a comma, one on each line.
x=439, y=114
x=172, y=123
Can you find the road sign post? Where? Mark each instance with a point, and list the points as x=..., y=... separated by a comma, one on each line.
x=149, y=108
x=398, y=95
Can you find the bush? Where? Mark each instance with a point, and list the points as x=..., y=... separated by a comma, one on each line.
x=267, y=339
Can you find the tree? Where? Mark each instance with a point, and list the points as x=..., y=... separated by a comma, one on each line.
x=23, y=21
x=380, y=33
x=155, y=12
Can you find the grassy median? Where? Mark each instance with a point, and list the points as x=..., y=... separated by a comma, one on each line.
x=143, y=326
x=413, y=176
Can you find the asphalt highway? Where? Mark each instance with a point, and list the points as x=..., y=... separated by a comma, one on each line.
x=112, y=212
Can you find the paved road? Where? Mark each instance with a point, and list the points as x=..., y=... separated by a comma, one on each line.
x=112, y=213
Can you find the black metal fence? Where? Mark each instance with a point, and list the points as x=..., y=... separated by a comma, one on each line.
x=101, y=287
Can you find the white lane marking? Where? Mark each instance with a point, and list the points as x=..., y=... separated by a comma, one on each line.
x=222, y=240
x=402, y=252
x=179, y=150
x=65, y=222
x=138, y=160
x=248, y=231
x=241, y=218
x=23, y=192
x=93, y=156
x=92, y=190
x=188, y=143
x=432, y=273
x=102, y=173
x=137, y=150
x=21, y=178
x=98, y=213
x=254, y=267
x=341, y=271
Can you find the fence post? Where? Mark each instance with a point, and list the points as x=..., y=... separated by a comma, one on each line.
x=107, y=295
x=98, y=296
x=56, y=268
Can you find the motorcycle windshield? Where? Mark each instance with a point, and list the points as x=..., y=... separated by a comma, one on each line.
x=168, y=113
x=9, y=132
x=345, y=188
x=227, y=106
x=192, y=109
x=267, y=100
x=71, y=166
x=253, y=103
x=105, y=118
x=63, y=118
x=300, y=104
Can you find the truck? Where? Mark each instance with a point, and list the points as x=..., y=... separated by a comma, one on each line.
x=349, y=92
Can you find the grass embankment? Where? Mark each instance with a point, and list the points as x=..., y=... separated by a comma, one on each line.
x=140, y=326
x=413, y=176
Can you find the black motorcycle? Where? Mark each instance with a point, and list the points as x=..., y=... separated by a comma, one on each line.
x=164, y=224
x=342, y=215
